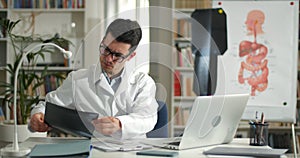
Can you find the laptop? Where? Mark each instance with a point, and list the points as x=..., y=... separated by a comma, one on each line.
x=213, y=120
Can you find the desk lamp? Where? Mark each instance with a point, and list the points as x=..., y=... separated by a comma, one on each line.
x=14, y=150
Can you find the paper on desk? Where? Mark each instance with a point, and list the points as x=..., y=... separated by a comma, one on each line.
x=110, y=144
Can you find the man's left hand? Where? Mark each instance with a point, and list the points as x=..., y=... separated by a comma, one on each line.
x=107, y=125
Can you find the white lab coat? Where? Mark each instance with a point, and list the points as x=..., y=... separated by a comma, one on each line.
x=134, y=102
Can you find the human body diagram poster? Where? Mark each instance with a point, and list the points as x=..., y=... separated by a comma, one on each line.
x=262, y=50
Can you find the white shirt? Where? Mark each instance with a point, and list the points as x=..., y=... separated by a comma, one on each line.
x=133, y=102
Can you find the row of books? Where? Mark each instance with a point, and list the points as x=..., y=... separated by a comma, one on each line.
x=184, y=57
x=181, y=116
x=298, y=142
x=3, y=3
x=2, y=32
x=51, y=83
x=2, y=117
x=281, y=140
x=182, y=28
x=183, y=84
x=47, y=4
x=298, y=113
x=284, y=140
x=192, y=3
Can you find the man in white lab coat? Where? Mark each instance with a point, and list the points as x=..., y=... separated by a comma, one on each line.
x=124, y=100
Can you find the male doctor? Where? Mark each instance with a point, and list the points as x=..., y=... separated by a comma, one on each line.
x=124, y=100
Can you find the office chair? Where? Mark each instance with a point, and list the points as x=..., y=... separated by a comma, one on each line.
x=160, y=130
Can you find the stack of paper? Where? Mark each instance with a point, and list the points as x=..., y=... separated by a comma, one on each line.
x=110, y=144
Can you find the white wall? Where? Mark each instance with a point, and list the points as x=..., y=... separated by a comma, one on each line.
x=98, y=21
x=94, y=31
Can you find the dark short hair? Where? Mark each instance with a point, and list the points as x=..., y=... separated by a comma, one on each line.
x=126, y=31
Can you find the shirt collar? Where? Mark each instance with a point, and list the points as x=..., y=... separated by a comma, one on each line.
x=100, y=74
x=116, y=77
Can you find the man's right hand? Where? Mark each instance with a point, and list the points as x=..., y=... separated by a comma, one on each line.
x=37, y=123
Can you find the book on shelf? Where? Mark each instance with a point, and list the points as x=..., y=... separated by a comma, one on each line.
x=1, y=32
x=3, y=3
x=180, y=60
x=185, y=3
x=298, y=88
x=182, y=28
x=177, y=84
x=48, y=4
x=281, y=140
x=187, y=84
x=298, y=142
x=41, y=90
x=2, y=117
x=183, y=84
x=52, y=82
x=192, y=4
x=298, y=113
x=188, y=59
x=181, y=115
x=184, y=55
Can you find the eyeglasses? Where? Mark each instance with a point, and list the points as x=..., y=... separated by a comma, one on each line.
x=117, y=57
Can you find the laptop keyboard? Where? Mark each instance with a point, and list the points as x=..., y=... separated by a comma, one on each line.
x=174, y=143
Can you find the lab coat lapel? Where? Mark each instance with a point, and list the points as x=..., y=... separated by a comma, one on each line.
x=104, y=86
x=124, y=83
x=120, y=103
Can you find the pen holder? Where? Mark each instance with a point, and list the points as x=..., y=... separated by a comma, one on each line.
x=258, y=134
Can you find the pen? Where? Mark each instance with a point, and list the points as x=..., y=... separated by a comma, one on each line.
x=261, y=134
x=256, y=118
x=252, y=123
x=131, y=149
x=262, y=119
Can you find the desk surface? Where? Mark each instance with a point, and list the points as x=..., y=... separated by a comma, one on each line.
x=197, y=152
x=194, y=153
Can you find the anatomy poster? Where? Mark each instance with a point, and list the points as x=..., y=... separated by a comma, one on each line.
x=262, y=50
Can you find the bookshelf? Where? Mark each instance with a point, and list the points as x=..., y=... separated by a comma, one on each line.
x=45, y=19
x=65, y=18
x=3, y=50
x=182, y=97
x=182, y=63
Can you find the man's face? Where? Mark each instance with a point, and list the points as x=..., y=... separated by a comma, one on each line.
x=108, y=64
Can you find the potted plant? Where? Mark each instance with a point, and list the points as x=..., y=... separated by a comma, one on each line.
x=29, y=79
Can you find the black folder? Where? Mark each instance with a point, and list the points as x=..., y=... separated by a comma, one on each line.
x=72, y=121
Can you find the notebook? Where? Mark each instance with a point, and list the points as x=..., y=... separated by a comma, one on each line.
x=256, y=152
x=71, y=121
x=69, y=148
x=213, y=120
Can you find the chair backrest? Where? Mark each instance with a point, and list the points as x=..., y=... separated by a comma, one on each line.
x=160, y=130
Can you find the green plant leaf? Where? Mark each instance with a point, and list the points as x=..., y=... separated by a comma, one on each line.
x=27, y=78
